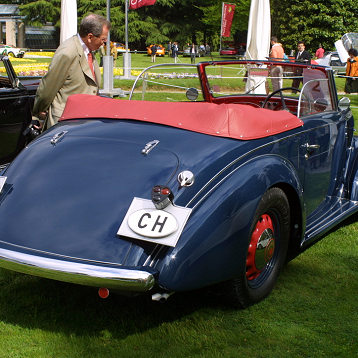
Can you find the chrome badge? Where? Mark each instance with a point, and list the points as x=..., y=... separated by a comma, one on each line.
x=149, y=146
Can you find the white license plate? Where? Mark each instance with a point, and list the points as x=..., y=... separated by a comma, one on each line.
x=144, y=222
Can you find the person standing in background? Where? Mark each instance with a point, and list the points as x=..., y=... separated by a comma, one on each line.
x=351, y=85
x=320, y=52
x=276, y=72
x=302, y=56
x=175, y=50
x=153, y=50
x=192, y=53
x=73, y=70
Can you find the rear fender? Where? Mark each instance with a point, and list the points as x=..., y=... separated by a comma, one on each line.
x=214, y=243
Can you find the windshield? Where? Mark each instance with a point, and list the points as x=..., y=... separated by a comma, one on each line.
x=276, y=86
x=168, y=83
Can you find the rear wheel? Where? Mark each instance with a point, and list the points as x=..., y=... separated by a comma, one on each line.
x=11, y=54
x=267, y=250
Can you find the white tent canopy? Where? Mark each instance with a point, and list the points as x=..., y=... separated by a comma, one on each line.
x=68, y=19
x=258, y=40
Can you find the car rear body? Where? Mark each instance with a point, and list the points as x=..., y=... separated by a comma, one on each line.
x=98, y=190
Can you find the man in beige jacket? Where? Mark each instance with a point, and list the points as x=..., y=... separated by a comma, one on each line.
x=70, y=71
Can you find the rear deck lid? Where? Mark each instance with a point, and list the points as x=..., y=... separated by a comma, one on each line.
x=69, y=198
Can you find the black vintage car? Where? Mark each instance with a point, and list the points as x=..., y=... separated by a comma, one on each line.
x=16, y=100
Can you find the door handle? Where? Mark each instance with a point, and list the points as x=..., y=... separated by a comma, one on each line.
x=310, y=148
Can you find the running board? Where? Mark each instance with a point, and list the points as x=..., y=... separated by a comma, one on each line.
x=331, y=213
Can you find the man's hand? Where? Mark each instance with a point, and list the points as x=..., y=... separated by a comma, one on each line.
x=41, y=120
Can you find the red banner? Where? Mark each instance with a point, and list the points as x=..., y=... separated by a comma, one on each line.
x=226, y=20
x=136, y=4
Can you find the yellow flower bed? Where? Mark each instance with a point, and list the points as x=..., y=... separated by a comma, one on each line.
x=40, y=54
x=40, y=69
x=117, y=71
x=16, y=60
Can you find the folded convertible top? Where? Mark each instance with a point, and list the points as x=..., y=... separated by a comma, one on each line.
x=236, y=121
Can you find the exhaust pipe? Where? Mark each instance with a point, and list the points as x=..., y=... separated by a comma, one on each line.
x=161, y=296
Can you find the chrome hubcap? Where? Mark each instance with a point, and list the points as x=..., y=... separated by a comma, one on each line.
x=261, y=248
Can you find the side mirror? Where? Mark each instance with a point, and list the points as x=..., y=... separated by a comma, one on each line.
x=344, y=103
x=192, y=94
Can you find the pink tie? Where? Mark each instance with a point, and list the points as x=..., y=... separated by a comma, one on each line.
x=90, y=63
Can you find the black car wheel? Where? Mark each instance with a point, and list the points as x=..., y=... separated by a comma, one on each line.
x=267, y=250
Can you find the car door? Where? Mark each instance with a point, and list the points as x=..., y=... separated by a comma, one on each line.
x=322, y=152
x=15, y=115
x=317, y=150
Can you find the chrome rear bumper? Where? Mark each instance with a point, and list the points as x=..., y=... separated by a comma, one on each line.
x=79, y=273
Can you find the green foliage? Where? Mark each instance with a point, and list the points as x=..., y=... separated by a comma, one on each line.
x=314, y=22
x=39, y=12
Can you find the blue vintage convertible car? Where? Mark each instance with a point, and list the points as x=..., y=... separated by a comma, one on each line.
x=212, y=180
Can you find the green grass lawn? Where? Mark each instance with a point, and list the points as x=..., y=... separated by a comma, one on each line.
x=312, y=312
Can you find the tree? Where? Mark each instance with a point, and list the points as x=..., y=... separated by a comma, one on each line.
x=40, y=12
x=314, y=22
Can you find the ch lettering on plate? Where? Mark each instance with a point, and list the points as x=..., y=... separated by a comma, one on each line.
x=146, y=223
x=152, y=223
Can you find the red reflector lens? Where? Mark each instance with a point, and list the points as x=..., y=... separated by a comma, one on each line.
x=103, y=292
x=165, y=191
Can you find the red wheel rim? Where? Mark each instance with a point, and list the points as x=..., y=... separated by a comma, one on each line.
x=261, y=248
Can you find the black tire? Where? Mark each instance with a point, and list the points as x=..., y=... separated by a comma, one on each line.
x=267, y=249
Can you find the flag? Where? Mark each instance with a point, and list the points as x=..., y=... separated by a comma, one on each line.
x=136, y=4
x=226, y=19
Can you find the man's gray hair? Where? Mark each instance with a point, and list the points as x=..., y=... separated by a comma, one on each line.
x=93, y=23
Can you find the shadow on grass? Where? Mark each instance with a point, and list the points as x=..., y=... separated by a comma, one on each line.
x=32, y=302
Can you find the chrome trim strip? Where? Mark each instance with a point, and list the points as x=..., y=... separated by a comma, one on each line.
x=149, y=259
x=155, y=257
x=220, y=182
x=83, y=274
